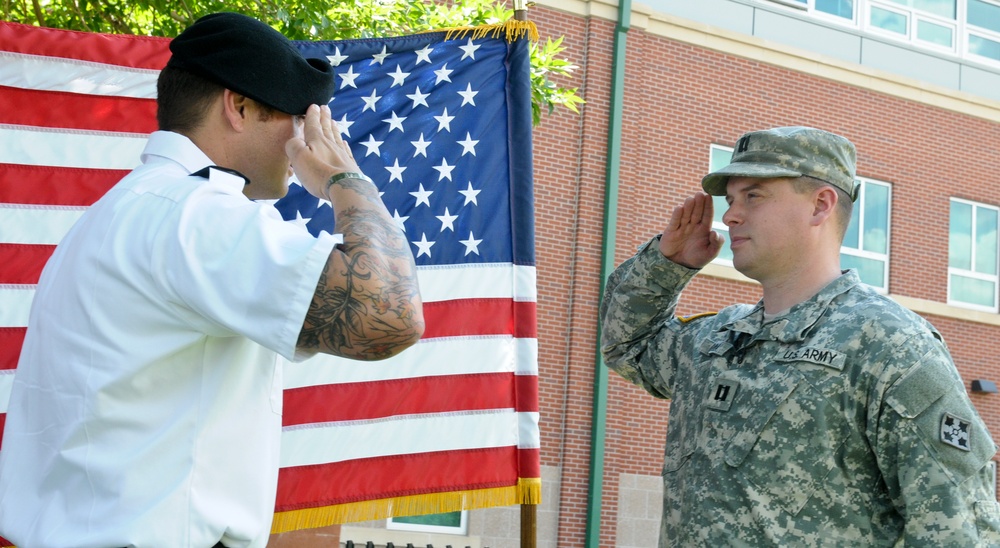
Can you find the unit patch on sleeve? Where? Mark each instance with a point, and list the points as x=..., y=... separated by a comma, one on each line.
x=956, y=432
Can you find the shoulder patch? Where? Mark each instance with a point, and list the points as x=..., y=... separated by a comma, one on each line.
x=956, y=432
x=693, y=317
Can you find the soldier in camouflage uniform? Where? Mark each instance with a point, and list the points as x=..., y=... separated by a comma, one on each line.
x=824, y=415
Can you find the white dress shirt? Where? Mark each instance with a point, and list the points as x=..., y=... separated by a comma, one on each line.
x=146, y=405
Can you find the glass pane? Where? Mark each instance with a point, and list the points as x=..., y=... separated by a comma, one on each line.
x=985, y=47
x=876, y=237
x=986, y=241
x=719, y=202
x=935, y=34
x=448, y=519
x=851, y=238
x=719, y=159
x=840, y=8
x=889, y=20
x=960, y=236
x=942, y=8
x=984, y=15
x=871, y=271
x=968, y=290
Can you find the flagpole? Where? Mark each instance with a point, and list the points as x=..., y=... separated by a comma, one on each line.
x=521, y=10
x=529, y=512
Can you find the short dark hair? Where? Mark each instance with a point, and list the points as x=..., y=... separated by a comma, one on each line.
x=845, y=206
x=183, y=99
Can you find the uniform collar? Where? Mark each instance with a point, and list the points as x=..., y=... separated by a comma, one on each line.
x=795, y=325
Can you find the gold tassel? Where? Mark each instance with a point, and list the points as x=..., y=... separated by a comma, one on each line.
x=527, y=491
x=511, y=29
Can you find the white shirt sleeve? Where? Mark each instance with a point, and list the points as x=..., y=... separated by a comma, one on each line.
x=234, y=267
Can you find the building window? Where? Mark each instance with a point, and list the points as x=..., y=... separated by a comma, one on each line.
x=984, y=28
x=866, y=243
x=941, y=8
x=889, y=20
x=972, y=255
x=454, y=523
x=966, y=28
x=927, y=22
x=840, y=8
x=719, y=157
x=933, y=33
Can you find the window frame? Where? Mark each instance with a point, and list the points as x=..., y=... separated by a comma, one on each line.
x=461, y=530
x=995, y=278
x=867, y=254
x=962, y=30
x=867, y=24
x=719, y=226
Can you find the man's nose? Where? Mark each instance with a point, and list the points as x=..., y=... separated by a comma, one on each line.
x=731, y=216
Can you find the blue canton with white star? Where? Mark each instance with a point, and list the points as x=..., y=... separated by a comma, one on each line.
x=427, y=120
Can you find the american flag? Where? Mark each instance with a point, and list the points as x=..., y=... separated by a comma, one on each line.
x=443, y=125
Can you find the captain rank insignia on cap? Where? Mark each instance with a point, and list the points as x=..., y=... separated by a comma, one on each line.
x=956, y=432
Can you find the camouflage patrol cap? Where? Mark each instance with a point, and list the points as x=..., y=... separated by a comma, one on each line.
x=789, y=152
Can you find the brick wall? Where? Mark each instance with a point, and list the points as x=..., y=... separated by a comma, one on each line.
x=679, y=99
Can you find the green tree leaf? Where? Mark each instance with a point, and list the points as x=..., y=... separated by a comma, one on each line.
x=306, y=20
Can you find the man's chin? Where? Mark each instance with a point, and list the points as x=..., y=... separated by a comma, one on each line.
x=266, y=192
x=742, y=267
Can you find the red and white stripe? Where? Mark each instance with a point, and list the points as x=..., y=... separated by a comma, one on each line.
x=458, y=411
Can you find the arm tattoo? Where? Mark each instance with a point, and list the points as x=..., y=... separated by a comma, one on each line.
x=365, y=309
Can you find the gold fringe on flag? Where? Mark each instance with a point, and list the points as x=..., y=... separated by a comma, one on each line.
x=511, y=29
x=527, y=491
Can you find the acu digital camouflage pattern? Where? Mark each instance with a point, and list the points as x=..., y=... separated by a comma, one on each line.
x=824, y=427
x=789, y=152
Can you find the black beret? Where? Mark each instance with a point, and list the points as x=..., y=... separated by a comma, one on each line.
x=249, y=57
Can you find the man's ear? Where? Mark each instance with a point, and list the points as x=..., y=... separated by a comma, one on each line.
x=825, y=201
x=235, y=108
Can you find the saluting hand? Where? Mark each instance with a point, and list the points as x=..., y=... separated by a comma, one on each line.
x=319, y=152
x=689, y=239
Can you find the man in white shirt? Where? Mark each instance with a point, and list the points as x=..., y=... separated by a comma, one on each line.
x=146, y=406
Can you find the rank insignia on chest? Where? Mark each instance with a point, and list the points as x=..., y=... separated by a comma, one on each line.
x=956, y=432
x=721, y=395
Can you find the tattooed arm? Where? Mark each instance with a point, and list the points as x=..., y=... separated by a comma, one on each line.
x=367, y=304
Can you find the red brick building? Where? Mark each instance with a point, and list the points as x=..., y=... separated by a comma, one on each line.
x=914, y=86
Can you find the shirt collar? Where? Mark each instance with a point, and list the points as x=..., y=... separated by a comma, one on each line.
x=176, y=148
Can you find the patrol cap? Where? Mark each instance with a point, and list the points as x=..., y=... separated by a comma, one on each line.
x=249, y=57
x=789, y=152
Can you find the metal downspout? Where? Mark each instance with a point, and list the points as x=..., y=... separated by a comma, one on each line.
x=597, y=431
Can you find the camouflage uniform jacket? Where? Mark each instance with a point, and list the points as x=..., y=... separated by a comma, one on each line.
x=841, y=423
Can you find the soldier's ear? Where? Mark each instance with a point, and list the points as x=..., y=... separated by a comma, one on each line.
x=824, y=202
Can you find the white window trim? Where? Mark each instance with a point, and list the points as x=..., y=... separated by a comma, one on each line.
x=861, y=20
x=982, y=33
x=462, y=529
x=717, y=226
x=995, y=278
x=865, y=254
x=866, y=23
x=795, y=4
x=953, y=25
